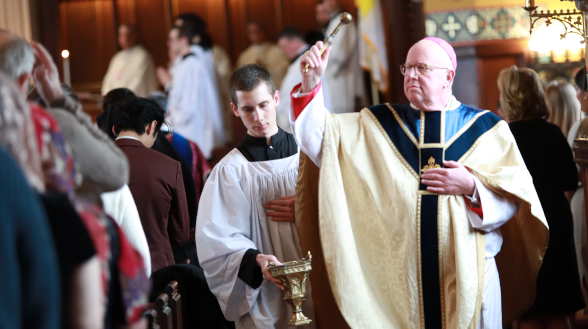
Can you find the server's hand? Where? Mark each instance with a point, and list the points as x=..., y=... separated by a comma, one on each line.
x=263, y=262
x=283, y=209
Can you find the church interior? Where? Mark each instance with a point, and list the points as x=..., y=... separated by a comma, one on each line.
x=488, y=36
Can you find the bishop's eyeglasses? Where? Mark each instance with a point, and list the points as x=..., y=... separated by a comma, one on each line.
x=421, y=68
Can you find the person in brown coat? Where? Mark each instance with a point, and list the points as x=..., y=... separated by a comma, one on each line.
x=155, y=179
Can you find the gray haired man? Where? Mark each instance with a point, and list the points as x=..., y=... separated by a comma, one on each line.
x=103, y=167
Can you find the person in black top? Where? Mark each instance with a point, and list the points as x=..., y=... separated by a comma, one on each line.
x=549, y=159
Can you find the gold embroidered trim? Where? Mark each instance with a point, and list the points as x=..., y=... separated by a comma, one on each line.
x=479, y=140
x=403, y=125
x=465, y=128
x=422, y=134
x=420, y=276
x=425, y=192
x=439, y=239
x=443, y=125
x=432, y=146
x=404, y=162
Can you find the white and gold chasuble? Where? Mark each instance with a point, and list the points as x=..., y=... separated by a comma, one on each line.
x=389, y=254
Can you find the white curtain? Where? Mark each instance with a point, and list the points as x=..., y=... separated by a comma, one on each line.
x=15, y=17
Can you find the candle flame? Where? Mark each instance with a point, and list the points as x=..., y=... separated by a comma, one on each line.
x=65, y=54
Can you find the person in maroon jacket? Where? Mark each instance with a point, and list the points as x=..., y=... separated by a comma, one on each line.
x=155, y=179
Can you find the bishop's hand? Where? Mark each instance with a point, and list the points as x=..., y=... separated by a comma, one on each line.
x=317, y=66
x=454, y=179
x=263, y=262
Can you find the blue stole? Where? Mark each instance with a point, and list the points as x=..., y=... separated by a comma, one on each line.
x=425, y=140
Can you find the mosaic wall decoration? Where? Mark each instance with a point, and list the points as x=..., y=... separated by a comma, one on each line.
x=478, y=24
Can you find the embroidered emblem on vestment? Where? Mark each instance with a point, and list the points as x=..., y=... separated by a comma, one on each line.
x=431, y=165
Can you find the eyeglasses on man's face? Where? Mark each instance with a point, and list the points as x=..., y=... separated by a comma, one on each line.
x=421, y=68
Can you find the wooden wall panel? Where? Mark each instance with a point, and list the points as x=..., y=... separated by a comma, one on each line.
x=218, y=23
x=487, y=81
x=90, y=28
x=82, y=43
x=492, y=57
x=213, y=12
x=300, y=14
x=266, y=12
x=50, y=33
x=200, y=8
x=238, y=18
x=405, y=25
x=153, y=21
x=105, y=23
x=15, y=17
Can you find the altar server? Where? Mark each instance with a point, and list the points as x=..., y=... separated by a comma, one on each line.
x=217, y=61
x=194, y=106
x=344, y=73
x=246, y=213
x=132, y=67
x=421, y=205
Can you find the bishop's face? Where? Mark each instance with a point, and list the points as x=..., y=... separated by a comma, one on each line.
x=257, y=110
x=428, y=89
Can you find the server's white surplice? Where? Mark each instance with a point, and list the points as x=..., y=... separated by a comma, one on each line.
x=231, y=220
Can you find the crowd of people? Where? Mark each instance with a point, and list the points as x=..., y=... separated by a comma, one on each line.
x=428, y=212
x=199, y=70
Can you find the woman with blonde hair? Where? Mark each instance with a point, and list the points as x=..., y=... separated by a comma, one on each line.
x=564, y=107
x=550, y=161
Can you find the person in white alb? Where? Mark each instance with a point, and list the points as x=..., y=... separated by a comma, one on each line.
x=194, y=105
x=421, y=205
x=132, y=67
x=246, y=213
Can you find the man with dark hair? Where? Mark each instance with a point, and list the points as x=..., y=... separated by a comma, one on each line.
x=194, y=105
x=246, y=214
x=263, y=52
x=293, y=46
x=217, y=61
x=155, y=180
x=132, y=67
x=164, y=146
